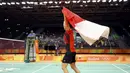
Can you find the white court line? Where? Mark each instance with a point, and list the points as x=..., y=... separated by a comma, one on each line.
x=93, y=70
x=1, y=63
x=126, y=65
x=42, y=68
x=120, y=68
x=10, y=63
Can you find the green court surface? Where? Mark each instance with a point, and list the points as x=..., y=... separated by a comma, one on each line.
x=7, y=67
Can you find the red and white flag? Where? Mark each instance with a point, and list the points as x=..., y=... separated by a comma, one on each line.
x=89, y=31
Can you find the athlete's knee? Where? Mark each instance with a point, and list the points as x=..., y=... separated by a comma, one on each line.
x=75, y=69
x=72, y=67
x=63, y=67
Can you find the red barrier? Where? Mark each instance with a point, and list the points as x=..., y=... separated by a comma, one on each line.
x=79, y=58
x=22, y=50
x=1, y=58
x=48, y=58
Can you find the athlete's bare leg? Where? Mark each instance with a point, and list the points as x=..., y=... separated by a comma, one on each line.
x=64, y=67
x=73, y=66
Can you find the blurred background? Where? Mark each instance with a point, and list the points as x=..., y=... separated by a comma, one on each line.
x=44, y=17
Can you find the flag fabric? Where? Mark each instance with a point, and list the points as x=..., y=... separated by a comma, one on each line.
x=89, y=31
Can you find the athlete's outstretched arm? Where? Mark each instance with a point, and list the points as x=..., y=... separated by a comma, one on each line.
x=66, y=24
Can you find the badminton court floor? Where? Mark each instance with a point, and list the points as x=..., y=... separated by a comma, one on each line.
x=8, y=67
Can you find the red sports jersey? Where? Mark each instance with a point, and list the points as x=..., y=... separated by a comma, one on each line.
x=69, y=39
